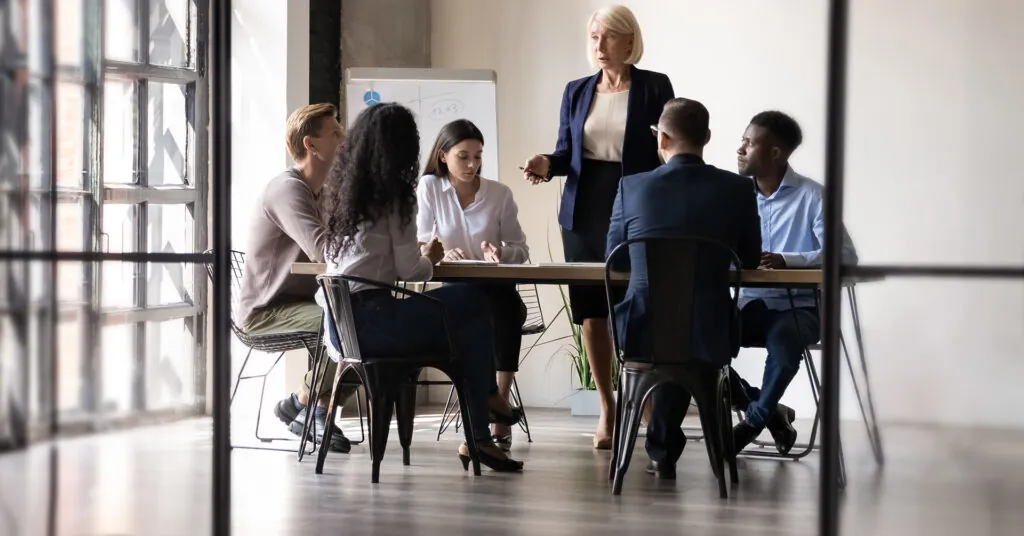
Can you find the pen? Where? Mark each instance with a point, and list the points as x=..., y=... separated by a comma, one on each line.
x=521, y=168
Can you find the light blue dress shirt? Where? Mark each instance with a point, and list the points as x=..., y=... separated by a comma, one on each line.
x=793, y=225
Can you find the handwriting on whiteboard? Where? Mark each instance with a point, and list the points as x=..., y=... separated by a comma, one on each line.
x=439, y=107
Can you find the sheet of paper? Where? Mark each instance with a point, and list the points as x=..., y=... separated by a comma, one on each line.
x=470, y=261
x=579, y=264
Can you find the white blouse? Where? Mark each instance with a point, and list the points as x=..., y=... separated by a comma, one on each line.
x=492, y=217
x=384, y=252
x=605, y=127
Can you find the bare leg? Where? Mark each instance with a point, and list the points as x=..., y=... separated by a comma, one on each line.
x=599, y=352
x=504, y=387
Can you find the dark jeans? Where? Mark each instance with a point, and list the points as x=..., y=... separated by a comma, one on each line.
x=785, y=334
x=508, y=312
x=392, y=327
x=760, y=326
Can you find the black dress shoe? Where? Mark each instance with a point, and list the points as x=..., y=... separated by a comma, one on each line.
x=743, y=434
x=780, y=425
x=662, y=471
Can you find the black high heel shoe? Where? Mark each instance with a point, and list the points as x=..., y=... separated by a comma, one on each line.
x=496, y=417
x=501, y=465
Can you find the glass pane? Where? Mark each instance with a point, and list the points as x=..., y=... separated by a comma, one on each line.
x=70, y=135
x=122, y=33
x=170, y=231
x=68, y=33
x=118, y=237
x=117, y=364
x=120, y=124
x=70, y=221
x=170, y=363
x=70, y=383
x=168, y=135
x=170, y=32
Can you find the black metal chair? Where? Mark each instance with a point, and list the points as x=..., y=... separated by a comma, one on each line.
x=277, y=343
x=390, y=382
x=534, y=325
x=677, y=268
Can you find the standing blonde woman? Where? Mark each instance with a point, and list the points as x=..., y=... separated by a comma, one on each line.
x=603, y=134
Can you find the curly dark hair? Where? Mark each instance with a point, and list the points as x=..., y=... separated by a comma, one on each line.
x=374, y=174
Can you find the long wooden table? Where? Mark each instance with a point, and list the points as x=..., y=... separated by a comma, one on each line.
x=577, y=273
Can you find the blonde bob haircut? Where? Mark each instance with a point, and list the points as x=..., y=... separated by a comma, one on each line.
x=620, y=20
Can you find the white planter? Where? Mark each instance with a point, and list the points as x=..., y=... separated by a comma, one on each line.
x=584, y=403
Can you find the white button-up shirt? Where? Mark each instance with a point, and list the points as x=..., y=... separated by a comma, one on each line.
x=492, y=216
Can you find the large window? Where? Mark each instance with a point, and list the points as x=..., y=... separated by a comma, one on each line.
x=103, y=170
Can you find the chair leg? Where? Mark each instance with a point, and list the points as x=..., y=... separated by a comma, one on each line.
x=517, y=400
x=725, y=412
x=464, y=410
x=241, y=371
x=382, y=397
x=447, y=417
x=321, y=455
x=636, y=386
x=406, y=411
x=259, y=410
x=314, y=394
x=616, y=432
x=708, y=404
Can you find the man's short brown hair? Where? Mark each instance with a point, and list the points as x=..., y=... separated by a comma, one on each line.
x=685, y=120
x=306, y=121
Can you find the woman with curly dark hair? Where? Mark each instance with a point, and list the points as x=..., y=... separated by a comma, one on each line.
x=371, y=233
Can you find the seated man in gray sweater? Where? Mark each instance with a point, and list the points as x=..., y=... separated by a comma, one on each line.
x=288, y=227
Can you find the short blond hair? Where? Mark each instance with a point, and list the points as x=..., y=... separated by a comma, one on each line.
x=306, y=121
x=621, y=20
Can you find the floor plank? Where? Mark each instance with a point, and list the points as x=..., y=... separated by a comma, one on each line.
x=156, y=481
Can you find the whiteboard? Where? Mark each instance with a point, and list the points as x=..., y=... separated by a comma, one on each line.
x=436, y=97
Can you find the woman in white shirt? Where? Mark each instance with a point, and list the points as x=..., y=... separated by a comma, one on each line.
x=476, y=219
x=371, y=234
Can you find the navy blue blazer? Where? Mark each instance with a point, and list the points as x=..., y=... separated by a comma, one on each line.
x=685, y=197
x=648, y=93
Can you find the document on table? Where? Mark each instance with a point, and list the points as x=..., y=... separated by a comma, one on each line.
x=471, y=261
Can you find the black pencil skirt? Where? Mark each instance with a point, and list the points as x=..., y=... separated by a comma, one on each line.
x=586, y=242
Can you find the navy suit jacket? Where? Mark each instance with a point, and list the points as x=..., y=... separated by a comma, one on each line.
x=648, y=93
x=684, y=198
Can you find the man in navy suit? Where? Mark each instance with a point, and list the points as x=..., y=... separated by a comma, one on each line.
x=683, y=198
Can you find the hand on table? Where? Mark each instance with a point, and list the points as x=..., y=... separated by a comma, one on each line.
x=491, y=252
x=454, y=254
x=772, y=261
x=433, y=250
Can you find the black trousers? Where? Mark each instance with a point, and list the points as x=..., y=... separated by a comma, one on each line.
x=508, y=313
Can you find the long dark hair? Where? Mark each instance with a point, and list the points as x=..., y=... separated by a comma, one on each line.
x=450, y=135
x=373, y=174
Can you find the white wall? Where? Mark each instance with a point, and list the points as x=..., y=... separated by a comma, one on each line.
x=269, y=79
x=933, y=112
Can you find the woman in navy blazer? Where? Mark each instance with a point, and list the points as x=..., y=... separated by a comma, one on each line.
x=603, y=134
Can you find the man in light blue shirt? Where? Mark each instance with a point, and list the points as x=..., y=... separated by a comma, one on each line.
x=792, y=234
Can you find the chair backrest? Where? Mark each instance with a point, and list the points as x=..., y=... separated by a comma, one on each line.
x=678, y=270
x=338, y=294
x=237, y=269
x=534, y=316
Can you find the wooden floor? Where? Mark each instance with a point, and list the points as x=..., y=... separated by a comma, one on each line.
x=156, y=481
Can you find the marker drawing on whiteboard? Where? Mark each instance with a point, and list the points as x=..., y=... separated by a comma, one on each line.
x=442, y=106
x=446, y=108
x=371, y=97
